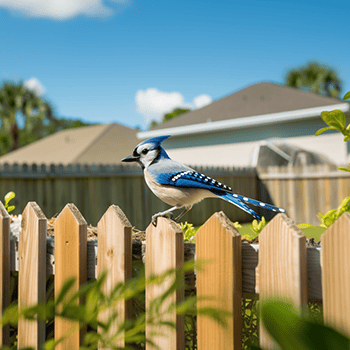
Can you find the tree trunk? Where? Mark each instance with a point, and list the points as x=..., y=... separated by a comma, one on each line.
x=14, y=132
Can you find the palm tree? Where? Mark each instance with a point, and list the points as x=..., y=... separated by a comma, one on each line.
x=315, y=78
x=17, y=101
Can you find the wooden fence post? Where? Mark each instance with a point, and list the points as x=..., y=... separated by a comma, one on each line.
x=164, y=251
x=70, y=261
x=115, y=258
x=281, y=272
x=335, y=262
x=4, y=271
x=32, y=274
x=219, y=282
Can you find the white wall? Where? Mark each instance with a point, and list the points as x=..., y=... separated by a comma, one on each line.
x=240, y=154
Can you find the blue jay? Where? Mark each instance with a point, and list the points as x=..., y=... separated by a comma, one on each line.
x=180, y=186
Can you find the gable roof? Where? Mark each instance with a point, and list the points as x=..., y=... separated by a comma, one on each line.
x=97, y=144
x=258, y=100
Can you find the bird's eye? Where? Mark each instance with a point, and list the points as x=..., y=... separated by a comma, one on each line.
x=144, y=151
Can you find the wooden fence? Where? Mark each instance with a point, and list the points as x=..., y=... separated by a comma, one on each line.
x=94, y=188
x=304, y=191
x=280, y=266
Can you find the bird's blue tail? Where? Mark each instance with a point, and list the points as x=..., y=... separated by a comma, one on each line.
x=240, y=201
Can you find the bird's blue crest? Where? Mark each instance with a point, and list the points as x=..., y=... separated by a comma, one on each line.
x=155, y=140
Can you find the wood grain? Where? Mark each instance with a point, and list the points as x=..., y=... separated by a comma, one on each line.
x=282, y=268
x=219, y=282
x=335, y=262
x=70, y=261
x=165, y=251
x=32, y=274
x=115, y=257
x=4, y=271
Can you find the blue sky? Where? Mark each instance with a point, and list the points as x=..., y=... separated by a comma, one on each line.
x=130, y=61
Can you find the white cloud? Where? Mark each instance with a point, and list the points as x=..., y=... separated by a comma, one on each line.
x=201, y=101
x=59, y=9
x=35, y=85
x=153, y=104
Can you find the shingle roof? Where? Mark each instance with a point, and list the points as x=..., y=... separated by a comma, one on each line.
x=97, y=144
x=259, y=99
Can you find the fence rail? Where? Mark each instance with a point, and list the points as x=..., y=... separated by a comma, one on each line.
x=281, y=266
x=304, y=191
x=95, y=187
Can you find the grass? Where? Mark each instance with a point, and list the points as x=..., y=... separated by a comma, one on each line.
x=313, y=232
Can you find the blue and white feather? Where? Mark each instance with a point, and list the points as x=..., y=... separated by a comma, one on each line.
x=180, y=186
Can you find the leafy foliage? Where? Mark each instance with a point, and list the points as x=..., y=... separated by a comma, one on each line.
x=8, y=198
x=315, y=78
x=257, y=226
x=66, y=306
x=189, y=231
x=26, y=117
x=168, y=116
x=335, y=120
x=292, y=331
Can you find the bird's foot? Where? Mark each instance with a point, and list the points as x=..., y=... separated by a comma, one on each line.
x=156, y=216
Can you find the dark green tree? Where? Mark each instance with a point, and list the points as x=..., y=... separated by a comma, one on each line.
x=174, y=114
x=26, y=117
x=315, y=78
x=20, y=105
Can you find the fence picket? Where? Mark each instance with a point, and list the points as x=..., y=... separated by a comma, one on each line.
x=32, y=274
x=4, y=271
x=115, y=257
x=335, y=262
x=281, y=272
x=219, y=282
x=70, y=261
x=164, y=251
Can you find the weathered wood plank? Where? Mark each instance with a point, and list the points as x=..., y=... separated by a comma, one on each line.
x=165, y=251
x=282, y=266
x=219, y=282
x=115, y=258
x=32, y=274
x=70, y=261
x=335, y=262
x=4, y=271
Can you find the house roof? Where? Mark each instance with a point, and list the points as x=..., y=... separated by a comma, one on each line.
x=250, y=106
x=97, y=144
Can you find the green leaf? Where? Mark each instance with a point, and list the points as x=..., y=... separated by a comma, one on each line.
x=334, y=118
x=347, y=96
x=9, y=196
x=305, y=226
x=10, y=208
x=344, y=169
x=291, y=331
x=330, y=217
x=318, y=132
x=237, y=225
x=10, y=315
x=65, y=290
x=347, y=138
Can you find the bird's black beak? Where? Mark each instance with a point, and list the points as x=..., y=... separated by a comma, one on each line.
x=131, y=158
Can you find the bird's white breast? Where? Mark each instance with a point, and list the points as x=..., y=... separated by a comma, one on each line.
x=176, y=196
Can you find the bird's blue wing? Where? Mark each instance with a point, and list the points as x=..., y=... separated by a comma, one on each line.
x=191, y=179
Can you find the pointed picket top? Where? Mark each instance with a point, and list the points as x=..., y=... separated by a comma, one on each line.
x=164, y=251
x=335, y=262
x=4, y=271
x=70, y=261
x=71, y=210
x=281, y=272
x=32, y=273
x=114, y=233
x=219, y=282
